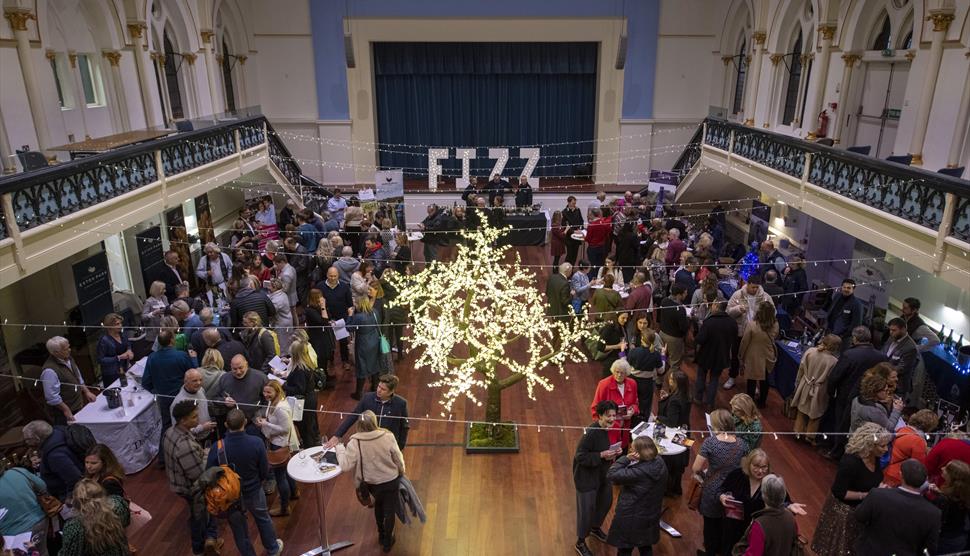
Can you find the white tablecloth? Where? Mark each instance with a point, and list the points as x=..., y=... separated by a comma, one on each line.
x=138, y=369
x=670, y=449
x=132, y=431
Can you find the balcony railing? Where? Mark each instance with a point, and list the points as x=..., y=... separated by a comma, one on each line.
x=43, y=196
x=910, y=193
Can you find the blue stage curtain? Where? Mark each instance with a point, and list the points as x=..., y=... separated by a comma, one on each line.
x=486, y=95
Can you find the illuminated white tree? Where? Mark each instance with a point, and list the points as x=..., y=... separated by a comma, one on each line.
x=482, y=325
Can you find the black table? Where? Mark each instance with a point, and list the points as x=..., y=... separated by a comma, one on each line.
x=527, y=229
x=782, y=378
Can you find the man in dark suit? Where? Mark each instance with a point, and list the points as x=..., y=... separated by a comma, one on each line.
x=558, y=293
x=898, y=520
x=522, y=192
x=169, y=274
x=715, y=340
x=845, y=312
x=844, y=381
x=902, y=353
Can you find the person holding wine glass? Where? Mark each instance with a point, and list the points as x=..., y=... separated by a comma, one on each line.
x=114, y=351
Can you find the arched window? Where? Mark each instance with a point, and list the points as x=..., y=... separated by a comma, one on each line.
x=741, y=65
x=228, y=60
x=793, y=61
x=883, y=39
x=172, y=78
x=908, y=41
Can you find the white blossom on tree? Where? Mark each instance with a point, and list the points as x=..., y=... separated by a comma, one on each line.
x=481, y=324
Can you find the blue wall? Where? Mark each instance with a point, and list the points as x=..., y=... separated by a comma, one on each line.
x=326, y=19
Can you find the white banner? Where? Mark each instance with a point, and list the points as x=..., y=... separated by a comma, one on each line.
x=389, y=183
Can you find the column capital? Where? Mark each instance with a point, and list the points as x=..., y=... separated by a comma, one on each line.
x=112, y=56
x=726, y=59
x=910, y=54
x=851, y=59
x=206, y=35
x=827, y=31
x=804, y=58
x=72, y=57
x=219, y=58
x=759, y=37
x=775, y=58
x=50, y=55
x=18, y=18
x=162, y=59
x=136, y=28
x=941, y=20
x=242, y=59
x=189, y=57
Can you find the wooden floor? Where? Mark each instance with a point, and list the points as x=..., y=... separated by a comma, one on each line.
x=496, y=504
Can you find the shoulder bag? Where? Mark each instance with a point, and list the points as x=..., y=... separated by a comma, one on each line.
x=48, y=503
x=281, y=455
x=363, y=493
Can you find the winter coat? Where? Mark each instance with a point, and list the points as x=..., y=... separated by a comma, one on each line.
x=557, y=294
x=737, y=306
x=346, y=267
x=60, y=467
x=810, y=395
x=715, y=340
x=246, y=300
x=408, y=502
x=367, y=343
x=282, y=323
x=757, y=351
x=868, y=411
x=636, y=521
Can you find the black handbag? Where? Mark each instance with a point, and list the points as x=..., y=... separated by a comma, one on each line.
x=363, y=493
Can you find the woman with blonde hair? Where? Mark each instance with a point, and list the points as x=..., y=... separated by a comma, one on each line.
x=858, y=473
x=375, y=460
x=114, y=351
x=747, y=420
x=367, y=344
x=301, y=383
x=811, y=395
x=720, y=454
x=642, y=477
x=758, y=353
x=98, y=529
x=153, y=309
x=212, y=369
x=275, y=422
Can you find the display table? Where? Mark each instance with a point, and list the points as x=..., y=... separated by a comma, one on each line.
x=132, y=431
x=137, y=370
x=303, y=469
x=952, y=385
x=527, y=229
x=782, y=378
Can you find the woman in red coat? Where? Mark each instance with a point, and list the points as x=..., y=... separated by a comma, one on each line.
x=621, y=390
x=558, y=239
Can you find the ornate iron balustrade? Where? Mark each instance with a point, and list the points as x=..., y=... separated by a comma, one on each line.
x=691, y=154
x=907, y=192
x=45, y=195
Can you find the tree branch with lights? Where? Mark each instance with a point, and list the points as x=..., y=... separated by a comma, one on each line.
x=482, y=325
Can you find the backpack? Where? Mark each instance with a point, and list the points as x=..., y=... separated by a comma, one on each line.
x=318, y=380
x=79, y=439
x=226, y=490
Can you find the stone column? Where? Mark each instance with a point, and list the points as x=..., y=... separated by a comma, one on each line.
x=210, y=71
x=773, y=83
x=941, y=22
x=962, y=124
x=800, y=97
x=726, y=88
x=114, y=59
x=754, y=75
x=839, y=121
x=8, y=163
x=190, y=106
x=158, y=61
x=821, y=76
x=18, y=24
x=241, y=82
x=136, y=30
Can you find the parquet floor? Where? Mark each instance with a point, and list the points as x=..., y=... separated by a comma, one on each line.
x=497, y=504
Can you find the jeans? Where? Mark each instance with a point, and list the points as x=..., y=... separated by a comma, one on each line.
x=254, y=503
x=596, y=256
x=165, y=407
x=385, y=505
x=284, y=484
x=201, y=527
x=705, y=386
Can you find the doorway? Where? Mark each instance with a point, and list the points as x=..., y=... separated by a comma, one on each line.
x=881, y=103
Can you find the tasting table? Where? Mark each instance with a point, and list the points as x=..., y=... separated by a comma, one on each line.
x=303, y=469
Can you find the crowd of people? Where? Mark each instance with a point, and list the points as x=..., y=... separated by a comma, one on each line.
x=259, y=329
x=708, y=303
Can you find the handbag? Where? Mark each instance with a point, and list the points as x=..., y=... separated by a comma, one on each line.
x=50, y=505
x=363, y=493
x=278, y=457
x=694, y=494
x=770, y=362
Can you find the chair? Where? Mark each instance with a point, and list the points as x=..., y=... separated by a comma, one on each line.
x=955, y=172
x=905, y=159
x=828, y=142
x=32, y=160
x=183, y=125
x=860, y=149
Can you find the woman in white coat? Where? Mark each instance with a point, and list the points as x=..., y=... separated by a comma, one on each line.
x=275, y=421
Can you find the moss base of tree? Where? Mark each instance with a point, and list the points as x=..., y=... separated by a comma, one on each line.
x=484, y=438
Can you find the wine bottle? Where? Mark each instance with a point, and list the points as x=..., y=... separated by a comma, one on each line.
x=959, y=343
x=941, y=333
x=949, y=340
